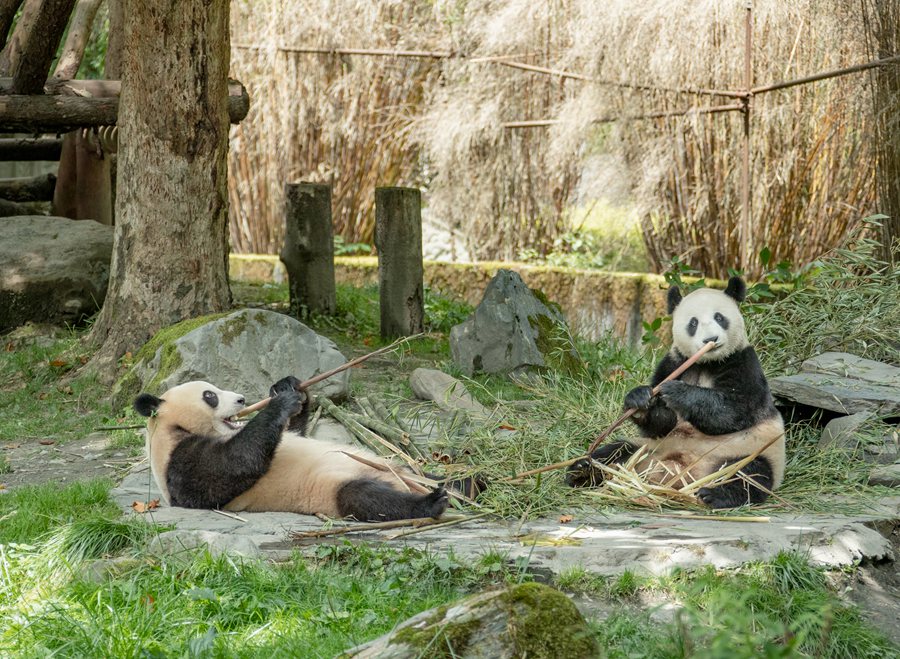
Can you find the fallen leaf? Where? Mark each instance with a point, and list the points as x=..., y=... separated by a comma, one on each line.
x=142, y=507
x=42, y=395
x=10, y=446
x=504, y=426
x=563, y=519
x=10, y=347
x=47, y=442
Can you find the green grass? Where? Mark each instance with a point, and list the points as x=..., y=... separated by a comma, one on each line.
x=38, y=400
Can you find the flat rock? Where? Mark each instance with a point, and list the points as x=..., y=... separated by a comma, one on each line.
x=847, y=365
x=513, y=329
x=600, y=543
x=446, y=391
x=247, y=351
x=844, y=383
x=886, y=475
x=52, y=269
x=841, y=431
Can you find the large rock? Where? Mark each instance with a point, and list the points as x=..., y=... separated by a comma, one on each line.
x=246, y=351
x=52, y=269
x=843, y=383
x=528, y=620
x=886, y=475
x=446, y=391
x=512, y=330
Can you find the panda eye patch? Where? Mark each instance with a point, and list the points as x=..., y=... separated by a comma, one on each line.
x=692, y=327
x=722, y=320
x=210, y=399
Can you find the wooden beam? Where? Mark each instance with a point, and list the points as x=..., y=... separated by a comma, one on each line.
x=37, y=41
x=77, y=39
x=62, y=113
x=19, y=149
x=37, y=188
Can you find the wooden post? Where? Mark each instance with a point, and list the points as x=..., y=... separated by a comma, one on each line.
x=308, y=252
x=398, y=238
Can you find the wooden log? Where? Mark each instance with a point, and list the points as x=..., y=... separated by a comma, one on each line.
x=20, y=149
x=398, y=238
x=37, y=188
x=63, y=113
x=308, y=252
x=76, y=39
x=8, y=9
x=37, y=45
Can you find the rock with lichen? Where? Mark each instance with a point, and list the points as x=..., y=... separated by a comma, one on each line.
x=528, y=620
x=245, y=351
x=514, y=329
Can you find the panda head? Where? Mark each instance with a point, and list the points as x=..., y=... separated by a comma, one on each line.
x=709, y=315
x=197, y=407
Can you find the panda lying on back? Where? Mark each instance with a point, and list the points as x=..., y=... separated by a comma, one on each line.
x=202, y=458
x=718, y=412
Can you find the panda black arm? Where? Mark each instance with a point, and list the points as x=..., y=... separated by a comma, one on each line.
x=208, y=473
x=297, y=422
x=738, y=398
x=653, y=417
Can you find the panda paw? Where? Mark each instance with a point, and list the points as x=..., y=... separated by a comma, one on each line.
x=583, y=474
x=715, y=497
x=639, y=398
x=673, y=393
x=436, y=502
x=290, y=383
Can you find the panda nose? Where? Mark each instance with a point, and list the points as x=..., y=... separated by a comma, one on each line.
x=241, y=400
x=714, y=339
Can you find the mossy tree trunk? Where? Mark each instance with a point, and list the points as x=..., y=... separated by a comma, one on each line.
x=170, y=256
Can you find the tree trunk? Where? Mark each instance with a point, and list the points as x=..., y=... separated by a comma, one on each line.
x=170, y=257
x=34, y=42
x=77, y=39
x=8, y=9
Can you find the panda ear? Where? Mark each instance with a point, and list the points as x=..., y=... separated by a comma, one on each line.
x=736, y=289
x=673, y=298
x=146, y=404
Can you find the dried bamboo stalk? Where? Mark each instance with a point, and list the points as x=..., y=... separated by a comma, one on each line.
x=369, y=526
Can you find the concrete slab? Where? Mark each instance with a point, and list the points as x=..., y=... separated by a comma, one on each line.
x=602, y=544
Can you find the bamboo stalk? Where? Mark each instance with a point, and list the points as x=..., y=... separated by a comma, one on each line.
x=370, y=526
x=432, y=527
x=327, y=374
x=606, y=433
x=387, y=468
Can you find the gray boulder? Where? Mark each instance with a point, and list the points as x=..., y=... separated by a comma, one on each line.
x=842, y=431
x=52, y=269
x=512, y=330
x=528, y=620
x=886, y=475
x=246, y=351
x=446, y=391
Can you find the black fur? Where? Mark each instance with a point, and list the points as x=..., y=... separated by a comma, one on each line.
x=673, y=298
x=208, y=473
x=297, y=423
x=585, y=473
x=736, y=289
x=370, y=500
x=146, y=404
x=738, y=399
x=740, y=492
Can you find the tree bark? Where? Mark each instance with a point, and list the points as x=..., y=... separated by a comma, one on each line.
x=398, y=237
x=170, y=256
x=8, y=9
x=308, y=252
x=34, y=43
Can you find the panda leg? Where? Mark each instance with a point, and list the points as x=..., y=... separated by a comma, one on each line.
x=740, y=492
x=370, y=500
x=585, y=474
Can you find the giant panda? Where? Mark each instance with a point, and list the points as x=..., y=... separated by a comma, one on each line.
x=202, y=458
x=716, y=413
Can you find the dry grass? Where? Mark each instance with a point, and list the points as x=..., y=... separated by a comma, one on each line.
x=358, y=121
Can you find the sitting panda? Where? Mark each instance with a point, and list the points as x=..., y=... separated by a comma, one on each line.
x=201, y=458
x=716, y=413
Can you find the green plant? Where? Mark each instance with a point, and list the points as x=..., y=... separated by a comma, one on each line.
x=343, y=248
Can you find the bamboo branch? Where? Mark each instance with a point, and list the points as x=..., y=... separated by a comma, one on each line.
x=327, y=374
x=606, y=433
x=441, y=525
x=371, y=526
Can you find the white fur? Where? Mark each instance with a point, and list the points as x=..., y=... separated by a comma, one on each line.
x=703, y=304
x=305, y=473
